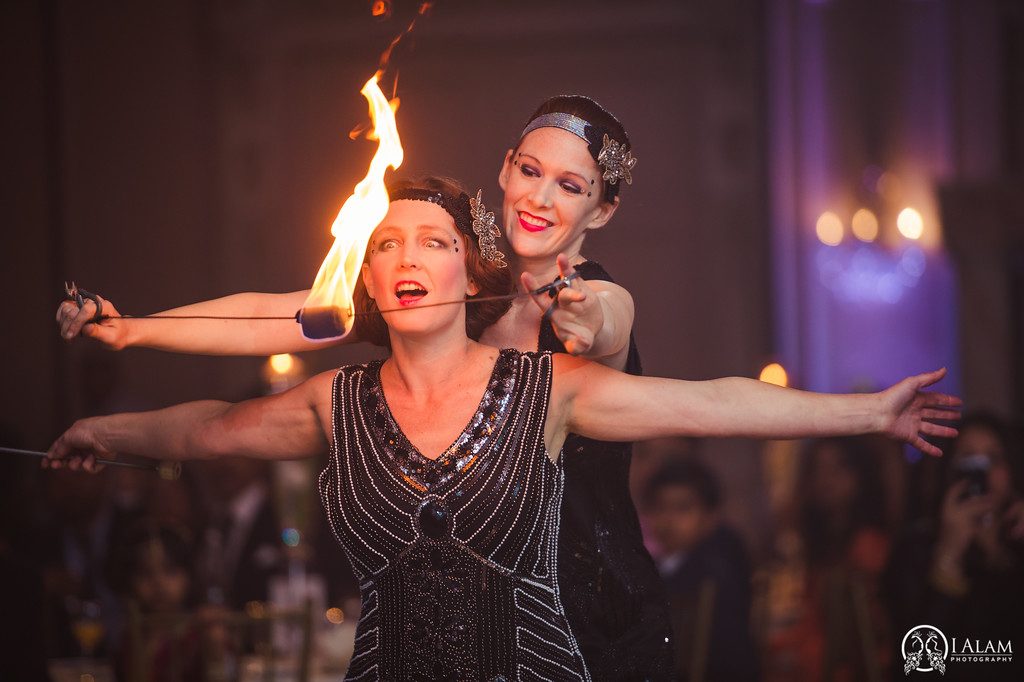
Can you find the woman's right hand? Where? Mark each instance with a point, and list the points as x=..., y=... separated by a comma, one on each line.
x=79, y=448
x=73, y=321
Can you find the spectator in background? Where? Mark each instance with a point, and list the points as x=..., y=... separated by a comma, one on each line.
x=840, y=630
x=153, y=571
x=961, y=568
x=242, y=547
x=706, y=572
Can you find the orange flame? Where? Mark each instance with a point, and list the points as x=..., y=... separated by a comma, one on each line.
x=328, y=311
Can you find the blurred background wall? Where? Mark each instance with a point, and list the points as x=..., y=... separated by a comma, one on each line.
x=166, y=152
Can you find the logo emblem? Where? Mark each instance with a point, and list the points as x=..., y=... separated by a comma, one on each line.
x=924, y=649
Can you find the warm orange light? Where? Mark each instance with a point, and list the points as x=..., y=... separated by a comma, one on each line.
x=829, y=228
x=910, y=223
x=328, y=311
x=774, y=374
x=282, y=363
x=864, y=225
x=335, y=616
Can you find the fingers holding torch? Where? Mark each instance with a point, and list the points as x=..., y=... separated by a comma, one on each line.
x=85, y=314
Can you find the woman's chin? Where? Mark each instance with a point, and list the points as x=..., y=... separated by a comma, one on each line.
x=412, y=324
x=530, y=246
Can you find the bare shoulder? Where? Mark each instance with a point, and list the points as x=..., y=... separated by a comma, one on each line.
x=317, y=389
x=569, y=373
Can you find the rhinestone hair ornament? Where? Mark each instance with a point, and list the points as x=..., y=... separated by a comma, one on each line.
x=470, y=215
x=615, y=160
x=485, y=230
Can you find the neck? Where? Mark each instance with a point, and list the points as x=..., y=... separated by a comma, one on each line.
x=424, y=363
x=545, y=268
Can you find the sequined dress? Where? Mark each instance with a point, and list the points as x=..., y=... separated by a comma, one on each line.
x=456, y=557
x=612, y=593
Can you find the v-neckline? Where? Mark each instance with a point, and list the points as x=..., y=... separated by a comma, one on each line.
x=465, y=434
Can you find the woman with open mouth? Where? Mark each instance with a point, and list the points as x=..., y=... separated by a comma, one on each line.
x=561, y=181
x=448, y=504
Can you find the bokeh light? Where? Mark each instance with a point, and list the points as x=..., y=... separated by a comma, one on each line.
x=774, y=373
x=864, y=225
x=281, y=363
x=829, y=228
x=335, y=616
x=910, y=223
x=291, y=537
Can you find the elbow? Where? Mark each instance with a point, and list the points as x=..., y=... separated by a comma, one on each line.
x=207, y=440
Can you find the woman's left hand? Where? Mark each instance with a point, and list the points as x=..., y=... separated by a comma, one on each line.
x=578, y=316
x=909, y=412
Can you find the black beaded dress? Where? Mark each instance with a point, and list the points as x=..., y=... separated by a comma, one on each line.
x=611, y=590
x=456, y=557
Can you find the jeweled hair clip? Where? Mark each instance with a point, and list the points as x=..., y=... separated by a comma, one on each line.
x=616, y=160
x=486, y=231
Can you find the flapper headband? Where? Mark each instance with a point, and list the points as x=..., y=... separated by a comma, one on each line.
x=615, y=159
x=573, y=124
x=470, y=215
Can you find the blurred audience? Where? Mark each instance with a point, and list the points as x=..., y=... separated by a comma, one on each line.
x=82, y=611
x=707, y=574
x=961, y=567
x=153, y=571
x=838, y=630
x=242, y=545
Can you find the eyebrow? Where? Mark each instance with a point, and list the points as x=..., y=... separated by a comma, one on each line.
x=582, y=177
x=422, y=227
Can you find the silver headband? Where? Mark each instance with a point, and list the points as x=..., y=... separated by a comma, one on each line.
x=615, y=160
x=574, y=124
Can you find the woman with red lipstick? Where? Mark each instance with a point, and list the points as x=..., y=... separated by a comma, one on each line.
x=557, y=188
x=456, y=540
x=556, y=191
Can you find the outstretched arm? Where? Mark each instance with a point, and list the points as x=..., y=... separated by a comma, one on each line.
x=597, y=402
x=205, y=337
x=289, y=425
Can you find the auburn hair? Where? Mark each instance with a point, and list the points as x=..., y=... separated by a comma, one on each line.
x=489, y=279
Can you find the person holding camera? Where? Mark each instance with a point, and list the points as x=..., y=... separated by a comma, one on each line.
x=961, y=569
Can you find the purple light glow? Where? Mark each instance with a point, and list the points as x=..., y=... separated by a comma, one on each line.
x=869, y=274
